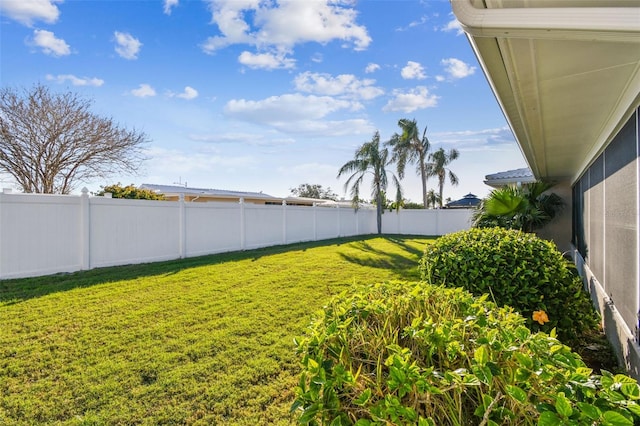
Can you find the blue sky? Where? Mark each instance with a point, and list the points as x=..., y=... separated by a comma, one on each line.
x=264, y=95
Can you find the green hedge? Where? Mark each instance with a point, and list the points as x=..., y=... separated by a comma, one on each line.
x=411, y=353
x=516, y=269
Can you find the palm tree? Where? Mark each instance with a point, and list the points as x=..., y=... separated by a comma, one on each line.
x=438, y=162
x=408, y=147
x=432, y=198
x=527, y=207
x=370, y=159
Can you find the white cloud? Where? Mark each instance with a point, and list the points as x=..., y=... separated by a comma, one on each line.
x=144, y=91
x=472, y=140
x=453, y=25
x=127, y=46
x=341, y=85
x=327, y=128
x=283, y=24
x=269, y=61
x=252, y=139
x=418, y=98
x=188, y=94
x=299, y=114
x=28, y=11
x=317, y=57
x=168, y=5
x=371, y=67
x=413, y=70
x=76, y=81
x=423, y=19
x=457, y=69
x=285, y=107
x=179, y=163
x=50, y=45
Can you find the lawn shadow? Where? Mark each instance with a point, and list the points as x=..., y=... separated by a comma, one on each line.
x=405, y=266
x=21, y=289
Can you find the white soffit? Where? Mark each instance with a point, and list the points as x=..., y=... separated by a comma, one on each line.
x=565, y=73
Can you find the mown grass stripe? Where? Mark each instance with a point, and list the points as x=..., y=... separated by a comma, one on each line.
x=199, y=341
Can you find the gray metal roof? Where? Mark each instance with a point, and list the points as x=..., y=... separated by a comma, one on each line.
x=523, y=175
x=174, y=189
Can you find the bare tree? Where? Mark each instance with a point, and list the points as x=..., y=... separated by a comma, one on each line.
x=49, y=142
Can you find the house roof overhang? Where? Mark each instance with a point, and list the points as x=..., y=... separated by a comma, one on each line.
x=566, y=73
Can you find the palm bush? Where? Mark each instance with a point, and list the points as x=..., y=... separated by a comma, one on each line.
x=527, y=207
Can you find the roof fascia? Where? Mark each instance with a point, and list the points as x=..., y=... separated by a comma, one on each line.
x=577, y=23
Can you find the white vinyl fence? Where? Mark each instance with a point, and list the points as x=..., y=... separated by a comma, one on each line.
x=45, y=234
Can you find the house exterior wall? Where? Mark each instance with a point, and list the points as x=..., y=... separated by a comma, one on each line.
x=45, y=234
x=559, y=229
x=606, y=239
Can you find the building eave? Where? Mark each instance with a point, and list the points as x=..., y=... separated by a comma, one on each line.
x=565, y=77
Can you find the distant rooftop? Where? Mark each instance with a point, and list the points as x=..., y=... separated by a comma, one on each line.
x=175, y=189
x=497, y=180
x=468, y=201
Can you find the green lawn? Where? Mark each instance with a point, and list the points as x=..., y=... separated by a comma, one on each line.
x=199, y=341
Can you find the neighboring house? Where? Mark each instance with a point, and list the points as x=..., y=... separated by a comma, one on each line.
x=469, y=201
x=173, y=193
x=566, y=74
x=510, y=177
x=201, y=195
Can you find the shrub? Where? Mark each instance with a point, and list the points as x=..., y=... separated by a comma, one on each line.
x=516, y=269
x=412, y=353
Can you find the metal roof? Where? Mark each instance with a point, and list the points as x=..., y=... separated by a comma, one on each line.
x=222, y=193
x=469, y=200
x=523, y=175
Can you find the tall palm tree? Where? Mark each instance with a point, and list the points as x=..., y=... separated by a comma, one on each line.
x=409, y=147
x=437, y=166
x=432, y=198
x=370, y=159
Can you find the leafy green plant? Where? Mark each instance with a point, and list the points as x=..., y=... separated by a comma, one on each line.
x=527, y=207
x=516, y=269
x=411, y=353
x=130, y=191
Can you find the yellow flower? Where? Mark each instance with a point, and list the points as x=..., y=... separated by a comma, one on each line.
x=540, y=316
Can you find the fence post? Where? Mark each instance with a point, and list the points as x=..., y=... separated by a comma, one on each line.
x=242, y=237
x=182, y=237
x=85, y=230
x=1, y=195
x=315, y=222
x=357, y=213
x=284, y=222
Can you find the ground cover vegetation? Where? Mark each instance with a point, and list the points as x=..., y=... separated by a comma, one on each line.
x=406, y=353
x=431, y=353
x=198, y=341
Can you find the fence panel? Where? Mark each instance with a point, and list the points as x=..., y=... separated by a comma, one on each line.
x=300, y=224
x=327, y=225
x=133, y=231
x=212, y=228
x=39, y=234
x=263, y=225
